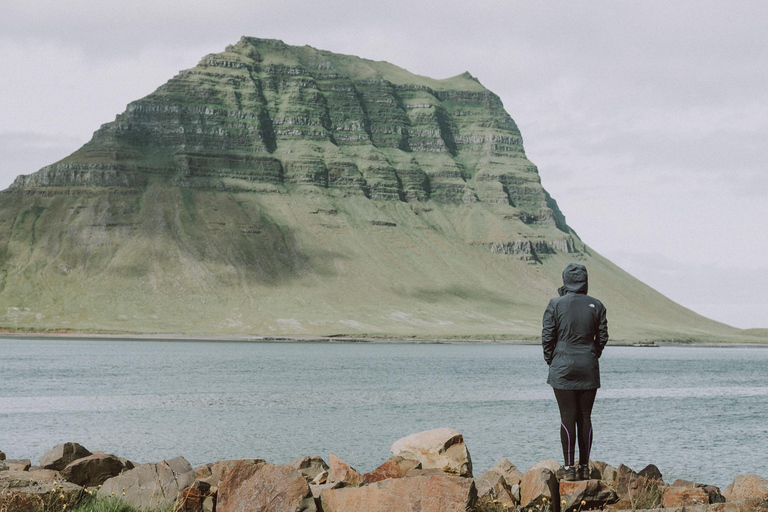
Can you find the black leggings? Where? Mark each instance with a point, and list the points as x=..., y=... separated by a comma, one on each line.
x=575, y=422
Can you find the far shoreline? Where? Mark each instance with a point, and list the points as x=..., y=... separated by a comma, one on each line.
x=340, y=339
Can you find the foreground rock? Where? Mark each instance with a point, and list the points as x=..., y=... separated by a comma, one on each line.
x=215, y=472
x=747, y=486
x=310, y=467
x=24, y=491
x=678, y=496
x=95, y=469
x=428, y=493
x=442, y=448
x=592, y=493
x=394, y=467
x=264, y=487
x=199, y=497
x=151, y=486
x=61, y=455
x=18, y=464
x=506, y=469
x=742, y=505
x=712, y=491
x=493, y=487
x=539, y=486
x=342, y=472
x=2, y=456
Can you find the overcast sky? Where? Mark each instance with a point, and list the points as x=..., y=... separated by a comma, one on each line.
x=648, y=120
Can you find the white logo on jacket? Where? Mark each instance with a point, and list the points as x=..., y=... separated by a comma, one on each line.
x=591, y=305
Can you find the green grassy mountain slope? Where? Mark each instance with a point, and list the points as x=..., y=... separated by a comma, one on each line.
x=285, y=190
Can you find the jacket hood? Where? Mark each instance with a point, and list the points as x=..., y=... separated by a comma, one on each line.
x=574, y=279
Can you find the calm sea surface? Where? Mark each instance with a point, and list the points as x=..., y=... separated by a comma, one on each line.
x=697, y=413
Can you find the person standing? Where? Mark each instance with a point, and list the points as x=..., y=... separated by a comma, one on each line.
x=574, y=333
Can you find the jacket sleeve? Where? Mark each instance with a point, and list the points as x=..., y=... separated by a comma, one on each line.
x=549, y=333
x=602, y=332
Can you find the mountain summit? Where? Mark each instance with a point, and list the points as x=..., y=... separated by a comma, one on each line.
x=275, y=189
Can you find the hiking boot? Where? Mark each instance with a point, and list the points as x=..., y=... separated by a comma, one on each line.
x=569, y=473
x=583, y=472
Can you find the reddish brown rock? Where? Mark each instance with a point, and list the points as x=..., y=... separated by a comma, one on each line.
x=317, y=489
x=683, y=497
x=430, y=493
x=310, y=467
x=217, y=471
x=441, y=448
x=747, y=486
x=493, y=487
x=24, y=491
x=506, y=469
x=264, y=487
x=594, y=493
x=340, y=471
x=59, y=456
x=199, y=497
x=95, y=469
x=394, y=467
x=625, y=479
x=2, y=456
x=539, y=486
x=712, y=491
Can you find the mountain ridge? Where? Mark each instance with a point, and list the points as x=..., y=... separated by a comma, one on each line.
x=283, y=189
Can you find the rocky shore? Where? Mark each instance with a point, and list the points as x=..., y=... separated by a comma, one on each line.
x=427, y=472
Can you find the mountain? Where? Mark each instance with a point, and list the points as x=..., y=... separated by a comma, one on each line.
x=275, y=189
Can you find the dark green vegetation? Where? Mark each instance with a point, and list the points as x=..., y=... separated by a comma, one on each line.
x=285, y=190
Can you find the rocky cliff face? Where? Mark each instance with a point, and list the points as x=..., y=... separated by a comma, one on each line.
x=274, y=188
x=264, y=116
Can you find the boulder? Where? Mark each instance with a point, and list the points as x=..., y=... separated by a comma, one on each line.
x=746, y=486
x=199, y=497
x=95, y=469
x=427, y=493
x=550, y=464
x=625, y=478
x=340, y=471
x=743, y=505
x=493, y=487
x=394, y=467
x=605, y=472
x=3, y=467
x=310, y=467
x=442, y=448
x=61, y=455
x=593, y=493
x=18, y=464
x=23, y=491
x=2, y=456
x=217, y=471
x=712, y=491
x=151, y=486
x=511, y=474
x=651, y=472
x=317, y=489
x=678, y=496
x=263, y=487
x=539, y=486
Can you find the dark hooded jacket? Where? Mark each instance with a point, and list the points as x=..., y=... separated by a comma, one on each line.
x=574, y=333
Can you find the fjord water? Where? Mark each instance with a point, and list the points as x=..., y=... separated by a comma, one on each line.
x=697, y=413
